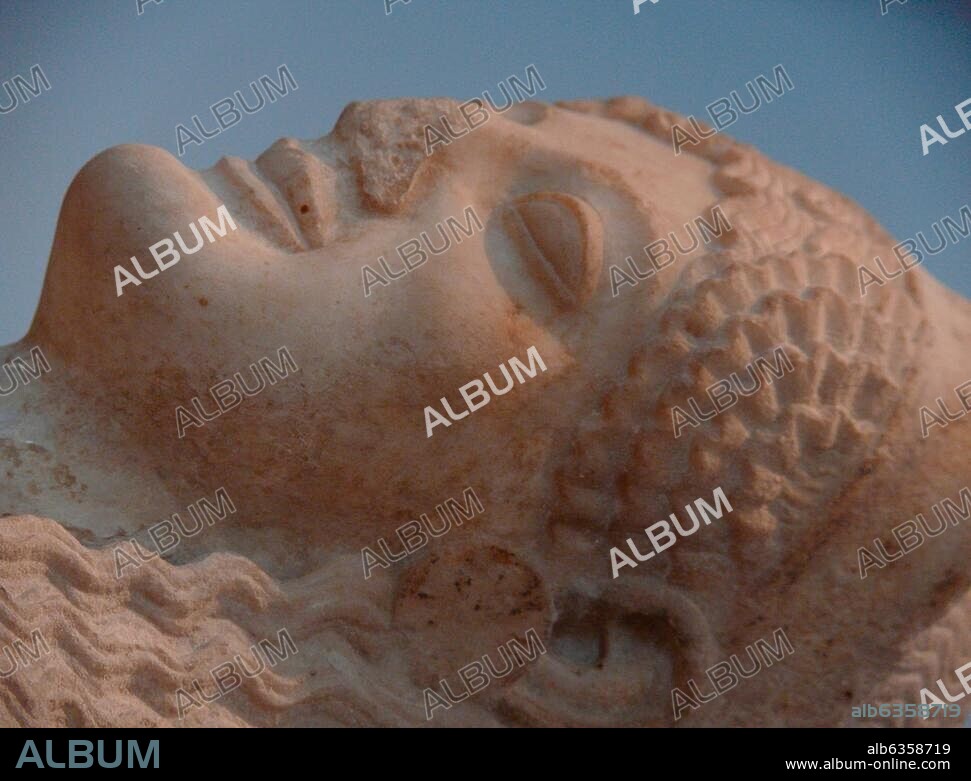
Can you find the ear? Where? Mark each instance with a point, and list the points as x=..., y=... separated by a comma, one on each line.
x=561, y=238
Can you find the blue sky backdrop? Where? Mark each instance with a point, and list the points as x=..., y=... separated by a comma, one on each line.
x=864, y=84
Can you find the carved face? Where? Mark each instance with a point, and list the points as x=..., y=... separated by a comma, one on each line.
x=545, y=220
x=551, y=201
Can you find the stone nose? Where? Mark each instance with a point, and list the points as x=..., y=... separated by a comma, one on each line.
x=385, y=140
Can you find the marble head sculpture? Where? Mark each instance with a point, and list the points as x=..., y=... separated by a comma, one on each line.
x=568, y=465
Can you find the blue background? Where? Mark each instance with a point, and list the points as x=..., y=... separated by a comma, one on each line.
x=864, y=84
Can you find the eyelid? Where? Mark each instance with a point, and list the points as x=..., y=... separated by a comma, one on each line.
x=561, y=238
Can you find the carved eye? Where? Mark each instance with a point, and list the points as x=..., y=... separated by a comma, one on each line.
x=561, y=238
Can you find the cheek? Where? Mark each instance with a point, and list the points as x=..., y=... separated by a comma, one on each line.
x=450, y=315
